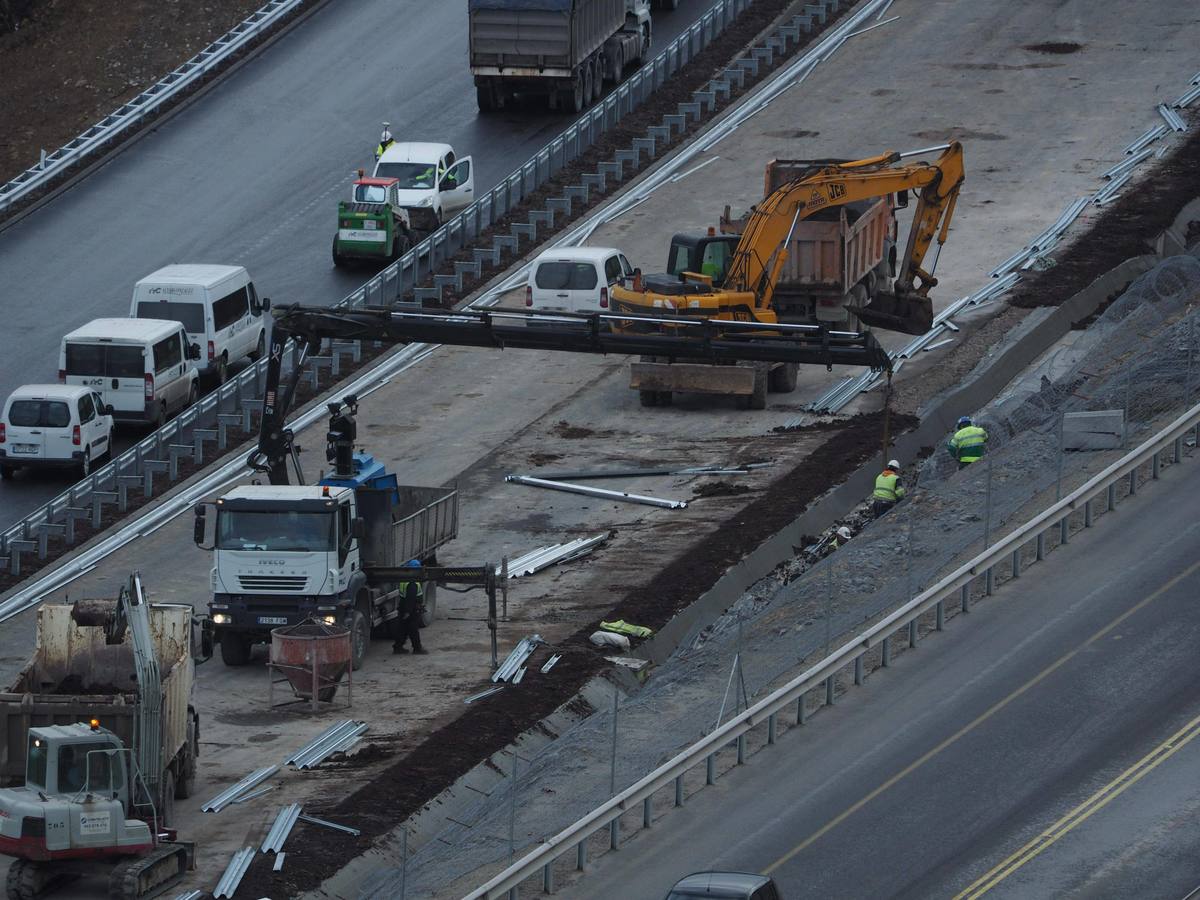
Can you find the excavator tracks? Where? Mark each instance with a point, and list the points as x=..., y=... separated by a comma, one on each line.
x=29, y=880
x=149, y=875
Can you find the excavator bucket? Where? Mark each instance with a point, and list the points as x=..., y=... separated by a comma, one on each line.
x=912, y=314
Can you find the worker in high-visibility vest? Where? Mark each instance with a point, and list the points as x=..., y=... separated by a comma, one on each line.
x=385, y=140
x=968, y=443
x=409, y=607
x=888, y=490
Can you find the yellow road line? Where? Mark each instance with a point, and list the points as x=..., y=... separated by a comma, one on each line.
x=1084, y=810
x=980, y=719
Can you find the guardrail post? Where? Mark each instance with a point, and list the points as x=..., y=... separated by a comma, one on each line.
x=1133, y=482
x=912, y=634
x=548, y=878
x=1041, y=546
x=940, y=612
x=647, y=811
x=829, y=698
x=966, y=597
x=741, y=749
x=1064, y=530
x=710, y=769
x=771, y=729
x=1087, y=514
x=679, y=790
x=581, y=855
x=1016, y=563
x=858, y=669
x=614, y=834
x=1178, y=450
x=1156, y=465
x=989, y=582
x=885, y=655
x=1112, y=497
x=801, y=710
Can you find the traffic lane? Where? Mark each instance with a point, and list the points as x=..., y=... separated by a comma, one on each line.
x=870, y=770
x=251, y=173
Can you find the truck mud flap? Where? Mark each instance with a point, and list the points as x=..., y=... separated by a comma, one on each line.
x=907, y=315
x=692, y=378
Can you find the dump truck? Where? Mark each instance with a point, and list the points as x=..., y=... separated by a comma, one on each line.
x=817, y=255
x=80, y=672
x=334, y=552
x=561, y=49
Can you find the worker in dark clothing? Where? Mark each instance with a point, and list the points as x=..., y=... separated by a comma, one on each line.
x=407, y=624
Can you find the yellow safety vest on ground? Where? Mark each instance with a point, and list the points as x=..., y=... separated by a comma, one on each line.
x=622, y=627
x=968, y=444
x=887, y=487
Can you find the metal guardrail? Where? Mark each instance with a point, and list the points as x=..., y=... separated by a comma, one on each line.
x=111, y=483
x=954, y=587
x=146, y=103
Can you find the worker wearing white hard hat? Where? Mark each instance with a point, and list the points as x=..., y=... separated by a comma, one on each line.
x=888, y=490
x=385, y=140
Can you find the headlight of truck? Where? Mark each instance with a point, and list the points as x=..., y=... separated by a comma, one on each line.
x=425, y=201
x=222, y=618
x=329, y=620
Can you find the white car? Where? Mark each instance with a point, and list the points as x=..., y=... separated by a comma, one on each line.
x=433, y=183
x=54, y=426
x=575, y=279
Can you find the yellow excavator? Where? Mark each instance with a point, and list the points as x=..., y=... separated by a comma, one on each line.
x=745, y=289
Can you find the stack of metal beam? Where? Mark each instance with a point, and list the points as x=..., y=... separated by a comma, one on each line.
x=509, y=668
x=339, y=737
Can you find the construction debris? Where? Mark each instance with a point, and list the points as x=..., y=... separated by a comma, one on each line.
x=517, y=658
x=227, y=796
x=629, y=662
x=597, y=492
x=313, y=820
x=497, y=689
x=544, y=557
x=620, y=626
x=550, y=663
x=339, y=737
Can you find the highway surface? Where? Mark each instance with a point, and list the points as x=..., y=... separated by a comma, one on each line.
x=1044, y=747
x=251, y=175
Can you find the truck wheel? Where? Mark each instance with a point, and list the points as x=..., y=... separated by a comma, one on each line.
x=186, y=785
x=572, y=99
x=618, y=65
x=648, y=398
x=783, y=378
x=339, y=261
x=589, y=82
x=223, y=368
x=485, y=98
x=235, y=648
x=360, y=639
x=85, y=466
x=261, y=347
x=429, y=613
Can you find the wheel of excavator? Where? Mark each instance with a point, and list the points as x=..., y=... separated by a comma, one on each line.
x=149, y=875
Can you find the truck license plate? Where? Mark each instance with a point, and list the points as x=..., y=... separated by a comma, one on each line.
x=25, y=448
x=272, y=620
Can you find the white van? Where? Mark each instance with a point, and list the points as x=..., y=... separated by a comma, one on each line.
x=142, y=368
x=433, y=184
x=575, y=279
x=54, y=426
x=217, y=305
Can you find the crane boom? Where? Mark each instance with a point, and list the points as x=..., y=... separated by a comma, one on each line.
x=708, y=340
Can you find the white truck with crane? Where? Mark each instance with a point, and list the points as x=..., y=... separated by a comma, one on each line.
x=101, y=737
x=334, y=551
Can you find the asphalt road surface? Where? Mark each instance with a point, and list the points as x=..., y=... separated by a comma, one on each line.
x=1044, y=747
x=251, y=174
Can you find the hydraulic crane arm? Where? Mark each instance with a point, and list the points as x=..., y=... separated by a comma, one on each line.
x=705, y=340
x=762, y=250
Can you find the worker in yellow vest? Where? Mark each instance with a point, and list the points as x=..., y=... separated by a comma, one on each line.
x=888, y=490
x=968, y=443
x=409, y=607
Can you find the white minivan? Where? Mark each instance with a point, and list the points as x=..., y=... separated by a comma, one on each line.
x=575, y=279
x=54, y=426
x=433, y=183
x=142, y=368
x=217, y=306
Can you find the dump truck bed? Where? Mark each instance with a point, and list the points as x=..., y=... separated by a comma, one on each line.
x=539, y=37
x=74, y=676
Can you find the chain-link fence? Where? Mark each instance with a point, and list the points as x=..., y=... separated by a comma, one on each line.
x=1139, y=357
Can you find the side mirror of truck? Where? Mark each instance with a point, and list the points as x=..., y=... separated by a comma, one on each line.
x=207, y=640
x=200, y=527
x=265, y=303
x=358, y=528
x=193, y=351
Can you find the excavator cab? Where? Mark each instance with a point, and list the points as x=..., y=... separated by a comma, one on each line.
x=707, y=255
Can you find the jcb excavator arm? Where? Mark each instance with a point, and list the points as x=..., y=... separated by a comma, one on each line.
x=760, y=254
